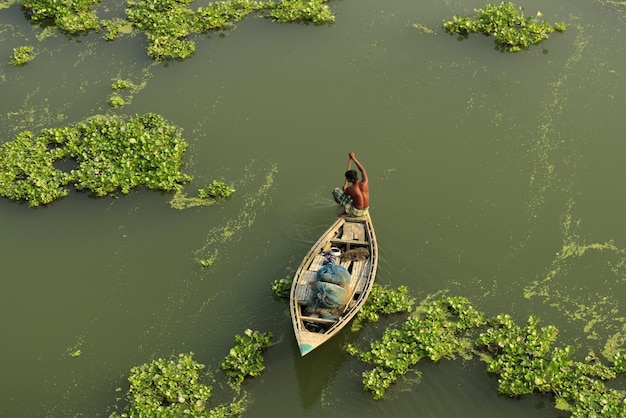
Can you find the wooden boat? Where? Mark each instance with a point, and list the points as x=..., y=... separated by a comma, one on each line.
x=356, y=234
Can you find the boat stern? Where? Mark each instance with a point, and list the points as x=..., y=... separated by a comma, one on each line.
x=305, y=349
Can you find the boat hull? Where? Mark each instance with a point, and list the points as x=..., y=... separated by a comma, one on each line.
x=356, y=239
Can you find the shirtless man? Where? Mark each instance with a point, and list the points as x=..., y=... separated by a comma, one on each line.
x=355, y=199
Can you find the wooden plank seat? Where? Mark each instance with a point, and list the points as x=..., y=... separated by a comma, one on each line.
x=304, y=291
x=317, y=263
x=349, y=242
x=353, y=231
x=320, y=320
x=363, y=269
x=356, y=277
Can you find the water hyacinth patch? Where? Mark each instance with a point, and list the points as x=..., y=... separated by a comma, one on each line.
x=169, y=23
x=123, y=91
x=168, y=388
x=166, y=23
x=314, y=11
x=114, y=27
x=120, y=84
x=383, y=301
x=175, y=387
x=245, y=358
x=27, y=170
x=430, y=332
x=71, y=16
x=113, y=154
x=281, y=288
x=115, y=100
x=22, y=55
x=207, y=196
x=523, y=357
x=216, y=190
x=223, y=14
x=526, y=362
x=513, y=31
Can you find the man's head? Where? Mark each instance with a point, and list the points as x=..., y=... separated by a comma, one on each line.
x=351, y=176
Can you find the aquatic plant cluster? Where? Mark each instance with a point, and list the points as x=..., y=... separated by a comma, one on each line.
x=112, y=154
x=281, y=288
x=22, y=55
x=210, y=194
x=169, y=23
x=246, y=357
x=523, y=357
x=167, y=388
x=383, y=301
x=513, y=32
x=115, y=99
x=175, y=388
x=72, y=16
x=216, y=190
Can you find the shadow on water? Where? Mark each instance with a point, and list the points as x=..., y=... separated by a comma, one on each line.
x=317, y=370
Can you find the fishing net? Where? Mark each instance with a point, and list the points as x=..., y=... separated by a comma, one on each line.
x=334, y=273
x=330, y=295
x=355, y=254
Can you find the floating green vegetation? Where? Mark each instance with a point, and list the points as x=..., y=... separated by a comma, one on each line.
x=207, y=262
x=314, y=11
x=115, y=154
x=523, y=358
x=168, y=23
x=246, y=357
x=71, y=16
x=5, y=4
x=114, y=27
x=525, y=362
x=223, y=14
x=513, y=31
x=207, y=196
x=428, y=333
x=115, y=100
x=219, y=237
x=126, y=87
x=181, y=201
x=383, y=301
x=216, y=190
x=281, y=288
x=120, y=84
x=424, y=29
x=601, y=315
x=111, y=154
x=173, y=388
x=22, y=55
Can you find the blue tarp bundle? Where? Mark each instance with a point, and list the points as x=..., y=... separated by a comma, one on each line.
x=334, y=273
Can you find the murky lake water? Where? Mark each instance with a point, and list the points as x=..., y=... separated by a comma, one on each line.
x=498, y=177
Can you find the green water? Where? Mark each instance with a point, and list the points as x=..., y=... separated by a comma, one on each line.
x=494, y=176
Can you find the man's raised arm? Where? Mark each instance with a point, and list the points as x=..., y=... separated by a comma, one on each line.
x=359, y=166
